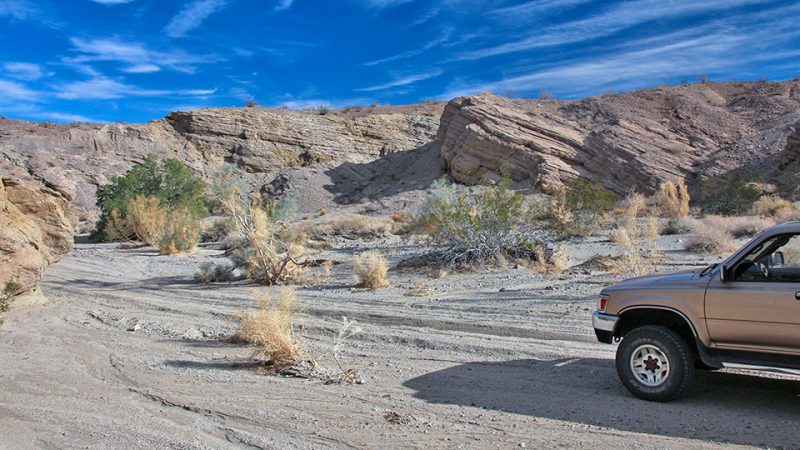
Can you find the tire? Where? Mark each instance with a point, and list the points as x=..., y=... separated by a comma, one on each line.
x=654, y=363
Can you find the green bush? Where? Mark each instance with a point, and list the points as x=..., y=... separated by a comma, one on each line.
x=10, y=290
x=175, y=185
x=580, y=207
x=728, y=195
x=482, y=225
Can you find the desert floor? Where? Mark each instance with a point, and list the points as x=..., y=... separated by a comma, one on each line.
x=130, y=353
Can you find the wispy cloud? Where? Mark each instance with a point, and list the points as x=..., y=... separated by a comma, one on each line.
x=16, y=9
x=192, y=16
x=10, y=90
x=384, y=3
x=24, y=71
x=443, y=38
x=135, y=57
x=612, y=20
x=404, y=80
x=112, y=2
x=283, y=5
x=64, y=117
x=101, y=87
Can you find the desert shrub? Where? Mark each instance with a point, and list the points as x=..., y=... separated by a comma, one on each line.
x=679, y=226
x=11, y=289
x=170, y=181
x=579, y=209
x=728, y=195
x=144, y=219
x=673, y=199
x=265, y=251
x=559, y=261
x=274, y=328
x=771, y=206
x=218, y=231
x=738, y=227
x=371, y=268
x=710, y=239
x=210, y=272
x=636, y=243
x=181, y=234
x=480, y=225
x=358, y=226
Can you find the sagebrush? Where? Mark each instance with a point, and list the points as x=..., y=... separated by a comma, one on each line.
x=371, y=268
x=673, y=199
x=11, y=289
x=580, y=208
x=483, y=224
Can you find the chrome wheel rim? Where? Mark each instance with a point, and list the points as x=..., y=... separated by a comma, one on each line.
x=650, y=365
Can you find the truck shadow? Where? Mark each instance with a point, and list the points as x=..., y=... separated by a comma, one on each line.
x=722, y=407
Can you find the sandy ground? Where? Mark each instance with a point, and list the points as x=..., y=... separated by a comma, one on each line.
x=130, y=353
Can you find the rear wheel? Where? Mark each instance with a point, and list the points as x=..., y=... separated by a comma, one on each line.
x=655, y=363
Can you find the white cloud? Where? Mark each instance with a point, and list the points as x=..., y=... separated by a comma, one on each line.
x=192, y=16
x=445, y=36
x=384, y=3
x=403, y=81
x=24, y=71
x=65, y=117
x=284, y=5
x=112, y=2
x=16, y=9
x=10, y=90
x=615, y=19
x=135, y=56
x=101, y=87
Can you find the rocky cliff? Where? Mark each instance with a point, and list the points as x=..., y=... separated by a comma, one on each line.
x=628, y=141
x=75, y=159
x=34, y=230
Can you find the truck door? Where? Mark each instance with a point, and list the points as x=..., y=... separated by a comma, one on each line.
x=758, y=307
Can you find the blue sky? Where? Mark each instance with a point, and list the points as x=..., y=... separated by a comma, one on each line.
x=137, y=60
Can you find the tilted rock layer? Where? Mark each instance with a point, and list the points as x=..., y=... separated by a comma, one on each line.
x=259, y=142
x=627, y=141
x=34, y=231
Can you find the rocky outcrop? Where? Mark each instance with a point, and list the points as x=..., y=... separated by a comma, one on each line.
x=34, y=231
x=628, y=141
x=259, y=142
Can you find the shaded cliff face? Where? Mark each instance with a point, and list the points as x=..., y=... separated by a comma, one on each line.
x=627, y=141
x=259, y=142
x=34, y=231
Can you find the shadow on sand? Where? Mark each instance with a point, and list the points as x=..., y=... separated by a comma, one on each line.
x=723, y=407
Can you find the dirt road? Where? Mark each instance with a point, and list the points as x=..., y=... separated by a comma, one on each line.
x=130, y=353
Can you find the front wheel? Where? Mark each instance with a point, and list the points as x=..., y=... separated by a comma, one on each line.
x=655, y=363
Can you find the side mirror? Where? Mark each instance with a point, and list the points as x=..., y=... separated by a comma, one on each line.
x=776, y=259
x=723, y=273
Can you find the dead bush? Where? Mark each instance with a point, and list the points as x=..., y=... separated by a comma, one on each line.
x=679, y=226
x=356, y=226
x=580, y=208
x=710, y=239
x=559, y=261
x=268, y=251
x=673, y=199
x=636, y=242
x=214, y=273
x=181, y=234
x=738, y=227
x=371, y=268
x=145, y=220
x=218, y=231
x=274, y=329
x=771, y=206
x=484, y=225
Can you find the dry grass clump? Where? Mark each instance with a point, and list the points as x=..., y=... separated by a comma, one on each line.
x=673, y=199
x=559, y=261
x=580, y=208
x=181, y=234
x=738, y=227
x=637, y=244
x=358, y=226
x=214, y=273
x=218, y=231
x=771, y=206
x=371, y=268
x=145, y=220
x=679, y=226
x=274, y=329
x=712, y=237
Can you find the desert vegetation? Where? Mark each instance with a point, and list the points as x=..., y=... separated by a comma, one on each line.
x=274, y=329
x=370, y=269
x=580, y=208
x=159, y=203
x=11, y=289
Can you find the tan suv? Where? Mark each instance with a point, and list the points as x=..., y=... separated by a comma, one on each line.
x=743, y=313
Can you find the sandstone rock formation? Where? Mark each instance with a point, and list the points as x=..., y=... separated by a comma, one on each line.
x=260, y=142
x=34, y=231
x=628, y=141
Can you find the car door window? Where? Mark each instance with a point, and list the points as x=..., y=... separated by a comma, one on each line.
x=776, y=259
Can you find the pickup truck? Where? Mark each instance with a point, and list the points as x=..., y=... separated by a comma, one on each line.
x=741, y=313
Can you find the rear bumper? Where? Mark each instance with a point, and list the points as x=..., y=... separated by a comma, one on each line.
x=604, y=326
